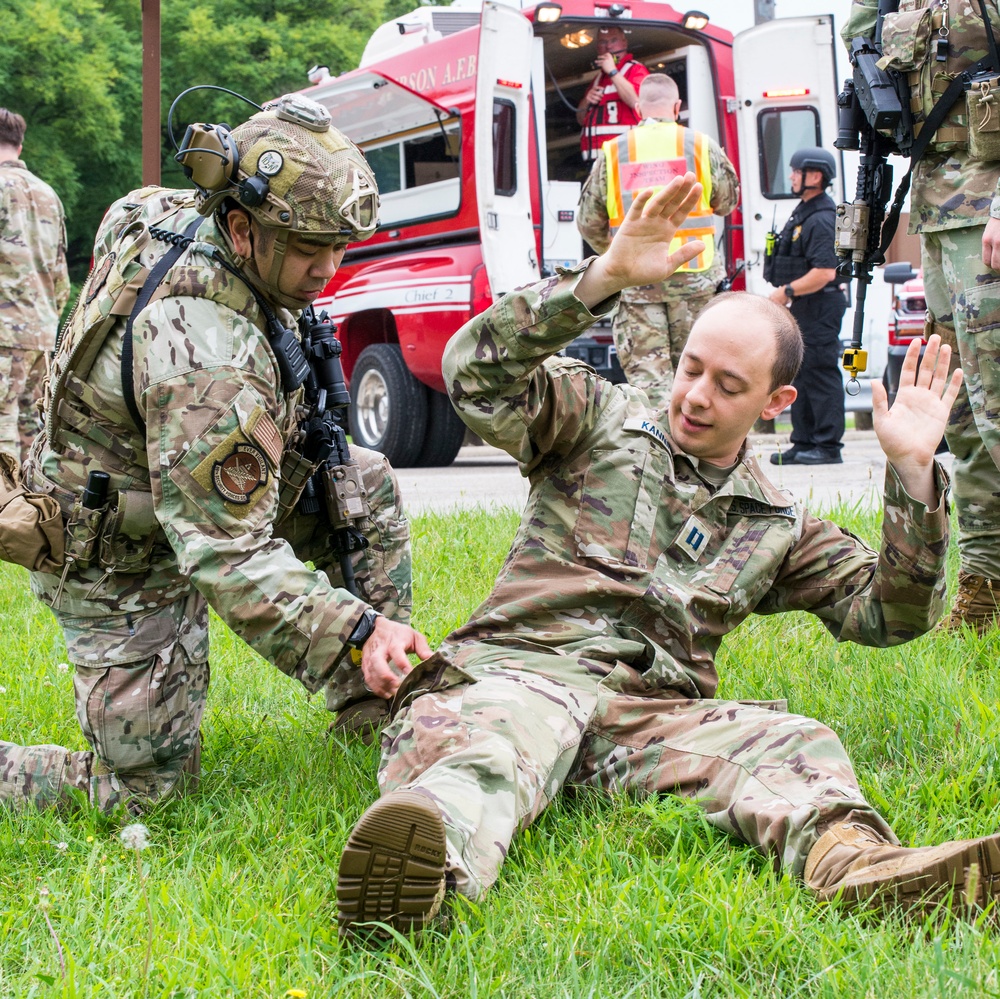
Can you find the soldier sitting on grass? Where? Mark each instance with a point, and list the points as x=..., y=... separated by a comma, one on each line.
x=592, y=661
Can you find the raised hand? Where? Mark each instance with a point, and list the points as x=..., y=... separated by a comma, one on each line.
x=640, y=251
x=911, y=430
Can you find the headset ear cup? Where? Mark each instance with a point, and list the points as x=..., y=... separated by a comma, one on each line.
x=209, y=157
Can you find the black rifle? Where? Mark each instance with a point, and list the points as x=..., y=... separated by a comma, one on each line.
x=336, y=484
x=875, y=118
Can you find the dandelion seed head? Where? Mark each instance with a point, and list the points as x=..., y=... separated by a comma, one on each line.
x=135, y=836
x=63, y=667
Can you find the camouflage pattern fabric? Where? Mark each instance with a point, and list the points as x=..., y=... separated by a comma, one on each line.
x=649, y=338
x=34, y=282
x=22, y=373
x=649, y=341
x=593, y=658
x=963, y=297
x=199, y=499
x=950, y=200
x=34, y=287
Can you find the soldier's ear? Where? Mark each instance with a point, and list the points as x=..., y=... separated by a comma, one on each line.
x=781, y=398
x=239, y=231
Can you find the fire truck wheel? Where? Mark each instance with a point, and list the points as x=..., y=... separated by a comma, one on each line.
x=445, y=432
x=388, y=405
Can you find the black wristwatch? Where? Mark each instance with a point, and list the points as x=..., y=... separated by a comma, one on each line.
x=789, y=291
x=363, y=629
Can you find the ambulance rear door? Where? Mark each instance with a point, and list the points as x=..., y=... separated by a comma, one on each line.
x=503, y=121
x=786, y=98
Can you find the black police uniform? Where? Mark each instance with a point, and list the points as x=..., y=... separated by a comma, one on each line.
x=808, y=241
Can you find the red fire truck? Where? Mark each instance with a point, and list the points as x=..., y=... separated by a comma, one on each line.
x=467, y=115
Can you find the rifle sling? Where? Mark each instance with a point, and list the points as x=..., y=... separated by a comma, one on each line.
x=156, y=275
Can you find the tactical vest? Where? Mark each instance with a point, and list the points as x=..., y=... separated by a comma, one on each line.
x=650, y=155
x=931, y=42
x=126, y=255
x=787, y=262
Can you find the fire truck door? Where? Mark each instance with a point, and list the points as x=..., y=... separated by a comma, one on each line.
x=502, y=124
x=786, y=98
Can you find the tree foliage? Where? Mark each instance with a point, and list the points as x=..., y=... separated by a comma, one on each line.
x=73, y=68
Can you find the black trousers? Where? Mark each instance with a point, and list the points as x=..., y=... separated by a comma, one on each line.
x=818, y=412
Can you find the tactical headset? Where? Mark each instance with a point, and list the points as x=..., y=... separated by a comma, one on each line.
x=210, y=160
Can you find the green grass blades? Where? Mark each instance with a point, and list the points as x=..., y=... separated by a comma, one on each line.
x=600, y=898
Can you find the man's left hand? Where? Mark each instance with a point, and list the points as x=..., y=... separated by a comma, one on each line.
x=991, y=245
x=911, y=430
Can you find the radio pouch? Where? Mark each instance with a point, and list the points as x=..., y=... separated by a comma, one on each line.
x=983, y=104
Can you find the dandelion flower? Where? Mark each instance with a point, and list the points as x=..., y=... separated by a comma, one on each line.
x=296, y=994
x=135, y=836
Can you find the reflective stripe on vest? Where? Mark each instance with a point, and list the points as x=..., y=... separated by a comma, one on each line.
x=650, y=155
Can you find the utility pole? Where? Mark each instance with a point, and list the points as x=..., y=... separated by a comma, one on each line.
x=150, y=92
x=763, y=10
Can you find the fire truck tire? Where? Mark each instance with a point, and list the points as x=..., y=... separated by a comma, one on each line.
x=445, y=432
x=388, y=405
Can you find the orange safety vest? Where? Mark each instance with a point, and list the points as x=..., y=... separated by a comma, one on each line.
x=650, y=155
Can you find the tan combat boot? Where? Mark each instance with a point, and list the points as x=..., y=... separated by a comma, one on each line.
x=363, y=718
x=393, y=868
x=976, y=604
x=855, y=862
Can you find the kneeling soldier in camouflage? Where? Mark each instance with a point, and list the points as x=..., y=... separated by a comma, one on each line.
x=176, y=449
x=592, y=661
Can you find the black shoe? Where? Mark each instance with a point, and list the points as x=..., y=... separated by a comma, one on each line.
x=817, y=456
x=786, y=457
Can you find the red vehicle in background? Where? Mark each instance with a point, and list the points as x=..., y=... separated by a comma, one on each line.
x=467, y=114
x=906, y=321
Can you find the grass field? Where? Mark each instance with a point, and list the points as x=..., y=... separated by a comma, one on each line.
x=605, y=898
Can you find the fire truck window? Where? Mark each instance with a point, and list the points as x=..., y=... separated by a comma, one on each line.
x=504, y=170
x=384, y=161
x=780, y=131
x=429, y=159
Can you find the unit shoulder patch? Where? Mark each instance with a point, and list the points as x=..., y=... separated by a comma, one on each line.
x=240, y=473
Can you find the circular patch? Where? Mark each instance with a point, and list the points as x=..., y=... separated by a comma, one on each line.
x=99, y=276
x=270, y=163
x=238, y=475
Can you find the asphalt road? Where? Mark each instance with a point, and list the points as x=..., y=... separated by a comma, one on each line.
x=486, y=476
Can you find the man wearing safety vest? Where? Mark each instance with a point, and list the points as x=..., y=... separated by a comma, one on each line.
x=653, y=321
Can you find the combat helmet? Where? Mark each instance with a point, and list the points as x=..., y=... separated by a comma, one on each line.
x=290, y=169
x=815, y=158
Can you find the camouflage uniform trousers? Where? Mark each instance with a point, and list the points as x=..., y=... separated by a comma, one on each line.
x=963, y=298
x=140, y=704
x=21, y=375
x=493, y=753
x=650, y=337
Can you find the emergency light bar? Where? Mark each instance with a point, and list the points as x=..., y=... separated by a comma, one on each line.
x=513, y=84
x=793, y=92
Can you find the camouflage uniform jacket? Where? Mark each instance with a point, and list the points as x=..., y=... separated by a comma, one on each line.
x=625, y=553
x=594, y=226
x=211, y=464
x=34, y=283
x=950, y=189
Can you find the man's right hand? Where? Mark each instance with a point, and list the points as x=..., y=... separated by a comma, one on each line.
x=384, y=661
x=640, y=251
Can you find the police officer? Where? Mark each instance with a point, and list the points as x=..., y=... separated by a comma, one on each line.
x=173, y=446
x=955, y=208
x=34, y=286
x=653, y=322
x=591, y=662
x=803, y=266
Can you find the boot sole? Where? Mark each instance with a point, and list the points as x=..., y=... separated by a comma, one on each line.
x=970, y=872
x=392, y=869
